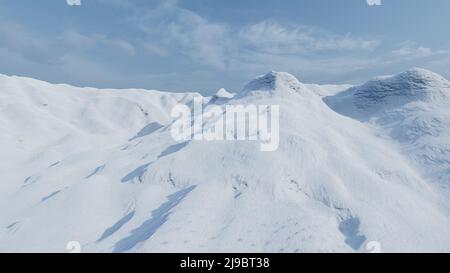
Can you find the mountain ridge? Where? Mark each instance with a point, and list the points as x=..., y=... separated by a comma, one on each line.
x=411, y=108
x=334, y=185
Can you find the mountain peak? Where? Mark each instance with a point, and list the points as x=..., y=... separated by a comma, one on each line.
x=391, y=92
x=222, y=93
x=273, y=81
x=413, y=84
x=421, y=78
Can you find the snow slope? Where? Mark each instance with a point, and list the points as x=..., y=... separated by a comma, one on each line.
x=41, y=123
x=100, y=167
x=413, y=108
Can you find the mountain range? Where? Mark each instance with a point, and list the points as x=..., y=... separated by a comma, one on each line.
x=356, y=166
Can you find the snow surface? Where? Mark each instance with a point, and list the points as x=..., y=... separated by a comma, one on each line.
x=412, y=108
x=100, y=167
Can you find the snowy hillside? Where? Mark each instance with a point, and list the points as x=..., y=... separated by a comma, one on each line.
x=413, y=109
x=100, y=167
x=42, y=123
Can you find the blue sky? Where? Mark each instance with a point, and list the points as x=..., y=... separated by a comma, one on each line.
x=203, y=45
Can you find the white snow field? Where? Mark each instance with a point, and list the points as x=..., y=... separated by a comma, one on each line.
x=356, y=166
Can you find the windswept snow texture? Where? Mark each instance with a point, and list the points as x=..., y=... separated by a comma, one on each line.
x=355, y=165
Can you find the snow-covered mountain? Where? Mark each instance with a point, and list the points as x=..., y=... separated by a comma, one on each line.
x=412, y=108
x=100, y=167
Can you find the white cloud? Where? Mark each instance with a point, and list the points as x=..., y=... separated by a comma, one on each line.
x=76, y=41
x=19, y=40
x=170, y=29
x=73, y=40
x=180, y=31
x=42, y=50
x=155, y=49
x=413, y=51
x=410, y=50
x=120, y=45
x=275, y=38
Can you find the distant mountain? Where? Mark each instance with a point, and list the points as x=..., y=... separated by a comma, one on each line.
x=101, y=167
x=221, y=96
x=413, y=108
